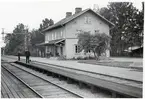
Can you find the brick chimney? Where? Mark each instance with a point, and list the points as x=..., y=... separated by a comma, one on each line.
x=68, y=14
x=78, y=10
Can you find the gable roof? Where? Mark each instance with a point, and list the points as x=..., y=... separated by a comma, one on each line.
x=68, y=19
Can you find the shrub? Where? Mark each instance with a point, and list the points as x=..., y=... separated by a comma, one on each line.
x=62, y=58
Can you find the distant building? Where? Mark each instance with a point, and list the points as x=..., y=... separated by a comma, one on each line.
x=61, y=38
x=135, y=51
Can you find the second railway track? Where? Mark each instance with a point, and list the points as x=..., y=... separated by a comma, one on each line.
x=39, y=85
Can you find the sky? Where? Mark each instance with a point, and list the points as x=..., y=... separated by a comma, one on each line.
x=31, y=13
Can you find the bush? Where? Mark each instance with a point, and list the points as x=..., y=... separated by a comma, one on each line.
x=91, y=57
x=62, y=58
x=82, y=58
x=73, y=58
x=78, y=58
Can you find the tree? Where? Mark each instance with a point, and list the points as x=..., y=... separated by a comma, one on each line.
x=37, y=36
x=128, y=25
x=46, y=23
x=97, y=43
x=16, y=40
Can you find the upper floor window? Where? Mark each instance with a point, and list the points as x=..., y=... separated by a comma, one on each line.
x=52, y=36
x=47, y=37
x=96, y=31
x=78, y=32
x=61, y=34
x=87, y=20
x=55, y=35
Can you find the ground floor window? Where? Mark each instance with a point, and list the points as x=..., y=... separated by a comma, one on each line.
x=76, y=48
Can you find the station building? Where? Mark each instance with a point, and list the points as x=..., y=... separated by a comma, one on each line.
x=61, y=38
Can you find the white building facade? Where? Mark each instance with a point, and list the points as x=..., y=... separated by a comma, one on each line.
x=61, y=38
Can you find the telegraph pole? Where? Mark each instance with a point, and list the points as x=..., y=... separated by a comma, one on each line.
x=25, y=41
x=3, y=34
x=3, y=38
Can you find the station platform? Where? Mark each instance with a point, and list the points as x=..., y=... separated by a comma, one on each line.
x=126, y=73
x=6, y=59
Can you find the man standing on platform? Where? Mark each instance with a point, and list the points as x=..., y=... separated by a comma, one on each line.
x=27, y=53
x=19, y=54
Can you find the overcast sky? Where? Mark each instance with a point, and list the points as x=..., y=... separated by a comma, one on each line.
x=31, y=13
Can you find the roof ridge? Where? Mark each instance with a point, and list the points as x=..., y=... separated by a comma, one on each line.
x=67, y=19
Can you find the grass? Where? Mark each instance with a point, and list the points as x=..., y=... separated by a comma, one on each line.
x=107, y=63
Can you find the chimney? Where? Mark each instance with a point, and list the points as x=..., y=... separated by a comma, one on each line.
x=68, y=14
x=78, y=10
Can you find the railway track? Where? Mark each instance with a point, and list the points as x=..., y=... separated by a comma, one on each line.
x=48, y=86
x=40, y=86
x=13, y=87
x=84, y=92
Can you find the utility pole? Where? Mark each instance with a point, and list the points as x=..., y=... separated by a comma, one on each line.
x=3, y=38
x=3, y=34
x=25, y=42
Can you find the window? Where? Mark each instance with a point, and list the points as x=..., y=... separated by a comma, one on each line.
x=47, y=37
x=76, y=49
x=78, y=32
x=96, y=31
x=87, y=20
x=52, y=36
x=61, y=34
x=55, y=35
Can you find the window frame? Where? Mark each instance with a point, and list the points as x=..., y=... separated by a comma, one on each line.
x=76, y=49
x=87, y=20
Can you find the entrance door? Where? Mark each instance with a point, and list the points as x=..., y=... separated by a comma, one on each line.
x=61, y=50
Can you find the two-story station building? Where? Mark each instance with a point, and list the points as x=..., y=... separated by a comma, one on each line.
x=61, y=38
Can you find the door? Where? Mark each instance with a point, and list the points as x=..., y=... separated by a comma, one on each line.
x=61, y=50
